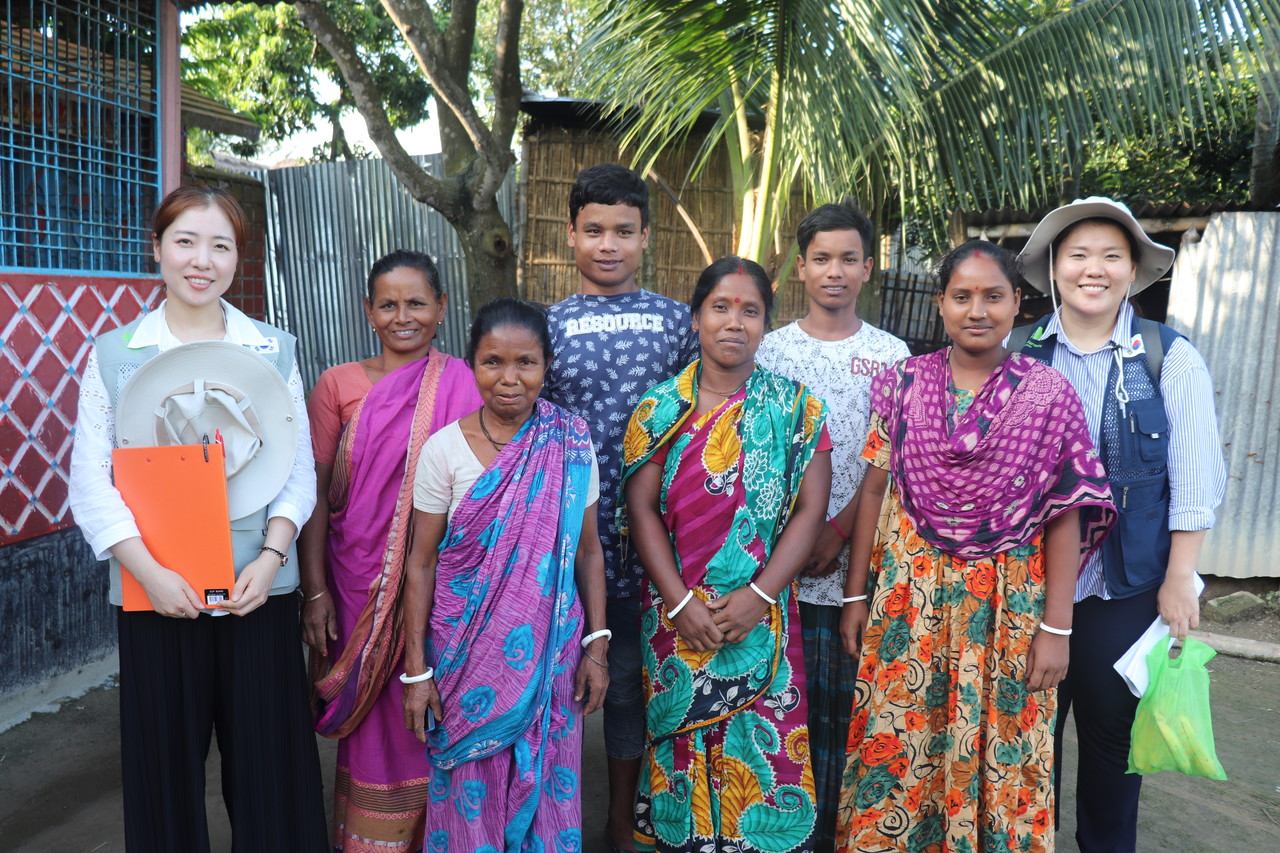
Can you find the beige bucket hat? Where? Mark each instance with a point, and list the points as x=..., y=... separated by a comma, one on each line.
x=215, y=387
x=1154, y=262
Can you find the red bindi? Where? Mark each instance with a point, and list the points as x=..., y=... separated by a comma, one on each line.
x=737, y=299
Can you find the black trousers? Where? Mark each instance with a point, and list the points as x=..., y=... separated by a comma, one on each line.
x=242, y=677
x=1103, y=709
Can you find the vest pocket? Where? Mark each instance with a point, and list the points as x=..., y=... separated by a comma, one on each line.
x=1142, y=534
x=1149, y=429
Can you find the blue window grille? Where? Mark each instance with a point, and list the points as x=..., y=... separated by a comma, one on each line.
x=79, y=134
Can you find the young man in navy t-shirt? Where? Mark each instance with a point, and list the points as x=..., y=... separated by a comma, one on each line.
x=612, y=342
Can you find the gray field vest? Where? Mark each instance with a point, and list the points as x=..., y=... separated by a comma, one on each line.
x=117, y=362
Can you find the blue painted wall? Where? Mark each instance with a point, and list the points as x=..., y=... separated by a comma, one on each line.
x=54, y=615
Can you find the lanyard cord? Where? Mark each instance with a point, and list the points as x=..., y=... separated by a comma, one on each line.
x=1122, y=393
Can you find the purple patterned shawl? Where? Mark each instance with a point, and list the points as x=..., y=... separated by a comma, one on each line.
x=1018, y=457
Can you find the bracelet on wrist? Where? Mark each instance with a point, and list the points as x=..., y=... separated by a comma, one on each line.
x=760, y=592
x=319, y=595
x=595, y=635
x=284, y=558
x=835, y=525
x=850, y=599
x=414, y=679
x=1061, y=632
x=671, y=614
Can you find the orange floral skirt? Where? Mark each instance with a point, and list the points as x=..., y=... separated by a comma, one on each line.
x=948, y=750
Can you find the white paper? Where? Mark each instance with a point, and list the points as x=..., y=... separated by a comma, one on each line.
x=1132, y=665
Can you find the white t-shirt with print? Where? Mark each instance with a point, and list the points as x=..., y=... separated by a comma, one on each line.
x=839, y=372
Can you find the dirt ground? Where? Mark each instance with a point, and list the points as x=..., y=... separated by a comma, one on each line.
x=1264, y=626
x=60, y=772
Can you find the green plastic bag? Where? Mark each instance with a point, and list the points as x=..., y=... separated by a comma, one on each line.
x=1172, y=729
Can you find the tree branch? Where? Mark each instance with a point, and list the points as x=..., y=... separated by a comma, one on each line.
x=368, y=100
x=431, y=51
x=507, y=90
x=459, y=38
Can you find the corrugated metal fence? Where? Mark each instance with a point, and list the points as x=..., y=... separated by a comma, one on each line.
x=1225, y=296
x=327, y=224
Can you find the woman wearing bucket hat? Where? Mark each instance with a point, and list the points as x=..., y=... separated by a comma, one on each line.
x=197, y=367
x=353, y=548
x=1148, y=400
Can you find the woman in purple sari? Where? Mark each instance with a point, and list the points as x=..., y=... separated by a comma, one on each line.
x=353, y=549
x=504, y=604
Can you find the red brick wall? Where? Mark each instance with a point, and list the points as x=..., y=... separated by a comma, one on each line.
x=47, y=326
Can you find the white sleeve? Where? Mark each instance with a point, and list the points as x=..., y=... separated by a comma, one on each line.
x=99, y=510
x=432, y=480
x=298, y=497
x=1197, y=471
x=593, y=487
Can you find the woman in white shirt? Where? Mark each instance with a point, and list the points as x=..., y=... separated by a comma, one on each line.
x=185, y=674
x=504, y=602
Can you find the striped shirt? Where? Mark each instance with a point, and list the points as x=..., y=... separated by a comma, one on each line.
x=1197, y=473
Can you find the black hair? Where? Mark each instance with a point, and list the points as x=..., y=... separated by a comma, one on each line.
x=405, y=258
x=836, y=217
x=609, y=183
x=729, y=265
x=1135, y=248
x=1008, y=262
x=505, y=311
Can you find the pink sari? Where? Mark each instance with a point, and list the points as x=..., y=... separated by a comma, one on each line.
x=382, y=778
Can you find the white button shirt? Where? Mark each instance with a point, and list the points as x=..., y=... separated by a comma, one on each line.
x=101, y=513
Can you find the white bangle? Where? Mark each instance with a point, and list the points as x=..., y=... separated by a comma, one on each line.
x=1061, y=632
x=671, y=614
x=760, y=592
x=414, y=679
x=850, y=599
x=595, y=635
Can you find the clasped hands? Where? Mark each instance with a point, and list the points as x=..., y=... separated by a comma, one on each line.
x=708, y=626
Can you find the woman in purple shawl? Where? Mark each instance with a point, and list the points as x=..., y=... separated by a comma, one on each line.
x=994, y=493
x=369, y=420
x=506, y=648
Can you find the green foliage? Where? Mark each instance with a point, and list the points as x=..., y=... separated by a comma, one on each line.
x=1212, y=167
x=1272, y=600
x=917, y=107
x=263, y=62
x=551, y=37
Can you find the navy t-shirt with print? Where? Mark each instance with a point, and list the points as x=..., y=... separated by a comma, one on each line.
x=610, y=350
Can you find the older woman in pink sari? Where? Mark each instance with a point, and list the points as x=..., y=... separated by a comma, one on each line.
x=371, y=419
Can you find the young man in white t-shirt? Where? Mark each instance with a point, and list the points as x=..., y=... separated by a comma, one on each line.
x=836, y=354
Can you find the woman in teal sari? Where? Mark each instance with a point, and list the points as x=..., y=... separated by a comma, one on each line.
x=726, y=475
x=504, y=604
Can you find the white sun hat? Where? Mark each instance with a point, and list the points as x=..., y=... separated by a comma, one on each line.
x=1154, y=260
x=208, y=388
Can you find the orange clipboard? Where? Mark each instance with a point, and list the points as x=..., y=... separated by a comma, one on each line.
x=178, y=497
